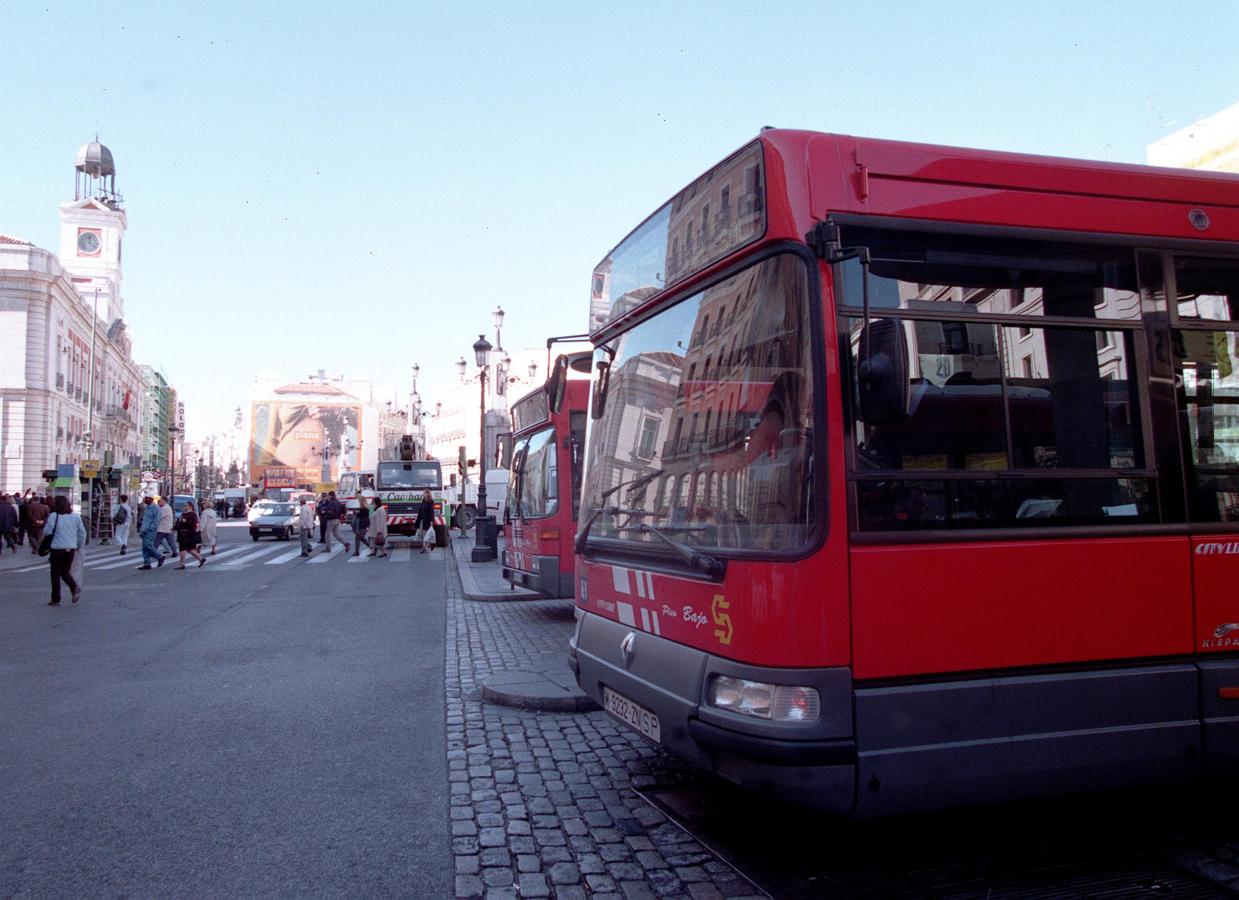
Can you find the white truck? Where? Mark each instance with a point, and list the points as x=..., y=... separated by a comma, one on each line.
x=463, y=499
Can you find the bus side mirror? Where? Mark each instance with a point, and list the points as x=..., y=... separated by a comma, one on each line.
x=556, y=384
x=882, y=382
x=505, y=450
x=602, y=381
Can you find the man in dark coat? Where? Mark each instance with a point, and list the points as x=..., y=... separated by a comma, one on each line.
x=37, y=511
x=8, y=522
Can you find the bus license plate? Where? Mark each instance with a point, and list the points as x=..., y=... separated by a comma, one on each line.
x=638, y=717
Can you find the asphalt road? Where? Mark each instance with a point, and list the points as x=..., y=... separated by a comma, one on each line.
x=257, y=730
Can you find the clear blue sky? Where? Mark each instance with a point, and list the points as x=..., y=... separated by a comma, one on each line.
x=355, y=186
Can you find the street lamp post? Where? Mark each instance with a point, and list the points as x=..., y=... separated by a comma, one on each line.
x=173, y=431
x=484, y=547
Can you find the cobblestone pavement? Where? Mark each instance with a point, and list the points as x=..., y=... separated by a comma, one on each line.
x=542, y=803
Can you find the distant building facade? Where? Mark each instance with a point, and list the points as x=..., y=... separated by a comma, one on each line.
x=1211, y=143
x=69, y=387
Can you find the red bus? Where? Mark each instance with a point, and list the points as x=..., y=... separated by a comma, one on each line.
x=545, y=488
x=912, y=476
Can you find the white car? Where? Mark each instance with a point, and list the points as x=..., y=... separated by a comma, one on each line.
x=276, y=519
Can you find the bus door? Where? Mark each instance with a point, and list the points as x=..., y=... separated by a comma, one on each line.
x=1205, y=351
x=999, y=455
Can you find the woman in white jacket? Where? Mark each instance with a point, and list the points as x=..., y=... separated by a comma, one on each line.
x=207, y=521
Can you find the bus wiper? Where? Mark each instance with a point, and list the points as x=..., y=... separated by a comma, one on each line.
x=710, y=566
x=632, y=484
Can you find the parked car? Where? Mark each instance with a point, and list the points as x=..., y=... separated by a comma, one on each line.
x=276, y=519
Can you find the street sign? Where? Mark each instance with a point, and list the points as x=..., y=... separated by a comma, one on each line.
x=90, y=468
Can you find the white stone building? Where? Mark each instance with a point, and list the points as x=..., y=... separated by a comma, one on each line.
x=1210, y=143
x=69, y=388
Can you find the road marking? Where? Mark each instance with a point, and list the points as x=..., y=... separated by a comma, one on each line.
x=280, y=560
x=254, y=553
x=402, y=554
x=360, y=558
x=138, y=560
x=323, y=555
x=91, y=553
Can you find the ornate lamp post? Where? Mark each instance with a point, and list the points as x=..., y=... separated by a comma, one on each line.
x=484, y=548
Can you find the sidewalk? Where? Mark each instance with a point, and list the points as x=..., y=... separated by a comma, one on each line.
x=483, y=581
x=536, y=674
x=542, y=802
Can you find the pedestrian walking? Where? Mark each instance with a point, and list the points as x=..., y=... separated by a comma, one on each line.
x=149, y=532
x=335, y=509
x=305, y=525
x=38, y=518
x=167, y=525
x=425, y=524
x=378, y=528
x=321, y=509
x=68, y=537
x=361, y=523
x=122, y=519
x=9, y=517
x=23, y=516
x=209, y=521
x=188, y=535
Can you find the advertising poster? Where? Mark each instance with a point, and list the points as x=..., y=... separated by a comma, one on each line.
x=291, y=435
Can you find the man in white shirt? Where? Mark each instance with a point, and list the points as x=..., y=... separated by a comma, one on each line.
x=305, y=522
x=163, y=534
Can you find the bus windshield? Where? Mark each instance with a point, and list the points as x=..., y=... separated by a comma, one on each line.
x=707, y=432
x=409, y=475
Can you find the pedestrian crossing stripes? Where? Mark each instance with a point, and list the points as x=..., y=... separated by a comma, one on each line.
x=104, y=558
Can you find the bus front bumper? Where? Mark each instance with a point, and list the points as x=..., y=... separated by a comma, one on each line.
x=809, y=763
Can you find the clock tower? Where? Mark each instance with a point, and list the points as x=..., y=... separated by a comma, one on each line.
x=92, y=229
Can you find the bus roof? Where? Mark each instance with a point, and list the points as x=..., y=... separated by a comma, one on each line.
x=809, y=176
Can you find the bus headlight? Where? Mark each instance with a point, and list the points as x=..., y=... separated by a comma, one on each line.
x=776, y=702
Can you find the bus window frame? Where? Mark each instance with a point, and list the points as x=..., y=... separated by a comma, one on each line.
x=1165, y=468
x=652, y=556
x=521, y=478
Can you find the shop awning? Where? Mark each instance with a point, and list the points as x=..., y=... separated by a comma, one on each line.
x=66, y=483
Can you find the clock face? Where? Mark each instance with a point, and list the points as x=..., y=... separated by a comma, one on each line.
x=88, y=242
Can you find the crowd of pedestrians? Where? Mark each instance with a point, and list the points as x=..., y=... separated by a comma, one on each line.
x=22, y=518
x=27, y=518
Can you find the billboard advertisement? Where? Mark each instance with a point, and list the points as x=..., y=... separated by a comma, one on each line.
x=289, y=437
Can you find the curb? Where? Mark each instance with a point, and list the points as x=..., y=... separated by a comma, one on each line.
x=468, y=581
x=537, y=690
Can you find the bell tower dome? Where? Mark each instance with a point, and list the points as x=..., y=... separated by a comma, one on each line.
x=92, y=230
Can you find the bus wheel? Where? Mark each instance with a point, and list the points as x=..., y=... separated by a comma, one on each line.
x=464, y=517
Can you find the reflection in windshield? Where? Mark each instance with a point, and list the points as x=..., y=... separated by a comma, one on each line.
x=709, y=420
x=409, y=475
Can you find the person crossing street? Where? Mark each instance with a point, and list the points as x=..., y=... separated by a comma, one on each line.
x=305, y=524
x=122, y=519
x=149, y=532
x=188, y=537
x=424, y=527
x=378, y=529
x=68, y=538
x=333, y=511
x=164, y=533
x=361, y=522
x=209, y=521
